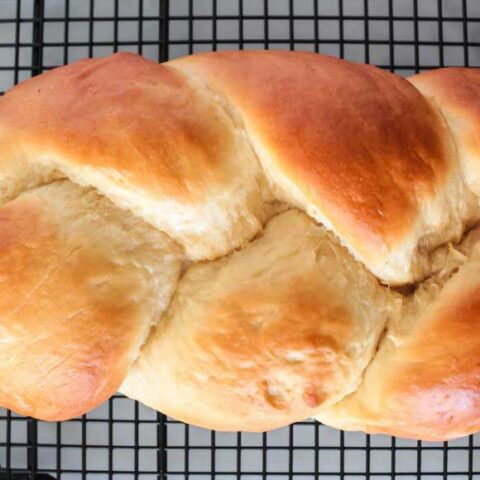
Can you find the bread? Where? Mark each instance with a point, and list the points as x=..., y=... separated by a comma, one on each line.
x=245, y=338
x=82, y=283
x=242, y=240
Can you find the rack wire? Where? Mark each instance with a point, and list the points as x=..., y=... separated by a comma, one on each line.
x=123, y=439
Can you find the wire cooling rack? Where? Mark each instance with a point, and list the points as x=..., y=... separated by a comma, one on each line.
x=123, y=439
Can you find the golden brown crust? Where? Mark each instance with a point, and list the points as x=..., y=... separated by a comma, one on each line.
x=76, y=302
x=456, y=92
x=358, y=147
x=265, y=337
x=75, y=351
x=135, y=126
x=424, y=382
x=144, y=135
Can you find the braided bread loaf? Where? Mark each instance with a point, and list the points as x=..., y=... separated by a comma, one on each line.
x=242, y=240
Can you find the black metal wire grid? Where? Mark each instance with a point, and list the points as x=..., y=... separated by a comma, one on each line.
x=123, y=439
